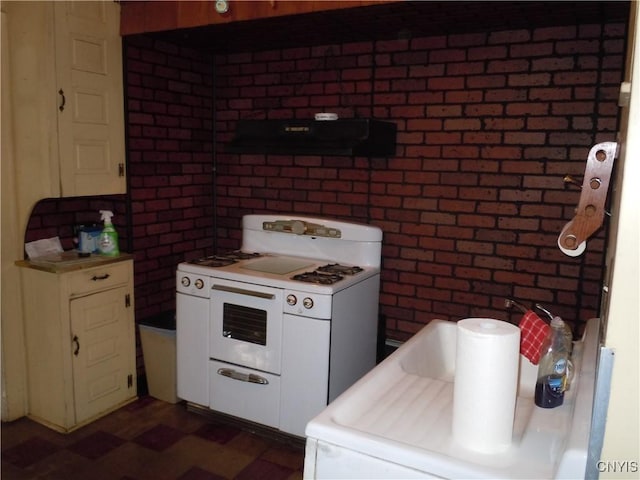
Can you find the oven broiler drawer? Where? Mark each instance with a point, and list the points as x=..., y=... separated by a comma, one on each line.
x=249, y=394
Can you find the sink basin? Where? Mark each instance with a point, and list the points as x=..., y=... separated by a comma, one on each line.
x=399, y=416
x=432, y=354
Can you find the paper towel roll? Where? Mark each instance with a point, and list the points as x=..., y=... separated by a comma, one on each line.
x=485, y=384
x=571, y=253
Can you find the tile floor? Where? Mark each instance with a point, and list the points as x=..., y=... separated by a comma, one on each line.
x=147, y=439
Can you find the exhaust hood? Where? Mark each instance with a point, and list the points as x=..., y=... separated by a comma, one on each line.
x=351, y=137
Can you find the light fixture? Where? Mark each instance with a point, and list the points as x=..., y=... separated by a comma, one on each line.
x=222, y=6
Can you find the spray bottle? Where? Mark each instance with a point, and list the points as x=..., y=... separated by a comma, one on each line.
x=108, y=240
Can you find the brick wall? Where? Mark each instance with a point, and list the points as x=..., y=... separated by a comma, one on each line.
x=170, y=153
x=471, y=204
x=473, y=201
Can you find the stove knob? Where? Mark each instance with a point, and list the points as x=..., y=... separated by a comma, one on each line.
x=298, y=227
x=291, y=299
x=307, y=303
x=185, y=281
x=199, y=284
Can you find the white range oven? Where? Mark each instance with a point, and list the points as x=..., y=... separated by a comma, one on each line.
x=275, y=331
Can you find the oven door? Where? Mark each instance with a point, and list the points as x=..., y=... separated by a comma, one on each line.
x=246, y=324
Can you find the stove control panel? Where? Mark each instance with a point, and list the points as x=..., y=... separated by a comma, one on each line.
x=307, y=305
x=299, y=227
x=191, y=284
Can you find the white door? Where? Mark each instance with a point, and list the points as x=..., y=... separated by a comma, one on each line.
x=102, y=367
x=90, y=98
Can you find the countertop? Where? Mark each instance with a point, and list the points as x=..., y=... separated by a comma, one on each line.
x=69, y=261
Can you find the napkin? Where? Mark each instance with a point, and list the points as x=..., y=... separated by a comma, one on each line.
x=533, y=331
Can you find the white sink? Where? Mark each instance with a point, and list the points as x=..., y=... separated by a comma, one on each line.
x=397, y=420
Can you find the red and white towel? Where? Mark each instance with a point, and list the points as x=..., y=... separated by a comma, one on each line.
x=533, y=331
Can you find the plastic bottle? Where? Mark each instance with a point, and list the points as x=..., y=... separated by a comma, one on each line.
x=108, y=240
x=554, y=369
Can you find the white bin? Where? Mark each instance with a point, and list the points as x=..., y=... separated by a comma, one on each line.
x=159, y=352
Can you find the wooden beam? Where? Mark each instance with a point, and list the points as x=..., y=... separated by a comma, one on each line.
x=155, y=16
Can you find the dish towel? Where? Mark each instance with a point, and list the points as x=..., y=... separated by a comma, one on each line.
x=533, y=331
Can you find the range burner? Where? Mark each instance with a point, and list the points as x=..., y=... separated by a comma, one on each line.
x=327, y=274
x=318, y=277
x=238, y=255
x=224, y=260
x=339, y=269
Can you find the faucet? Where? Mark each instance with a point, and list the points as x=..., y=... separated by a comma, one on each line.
x=510, y=303
x=545, y=311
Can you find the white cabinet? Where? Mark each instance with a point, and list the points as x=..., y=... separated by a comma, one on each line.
x=80, y=337
x=67, y=92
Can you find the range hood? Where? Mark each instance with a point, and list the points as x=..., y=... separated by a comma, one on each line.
x=352, y=137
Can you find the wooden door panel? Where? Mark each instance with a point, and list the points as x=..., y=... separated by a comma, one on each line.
x=100, y=353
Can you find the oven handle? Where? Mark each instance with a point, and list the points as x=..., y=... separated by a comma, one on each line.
x=242, y=291
x=243, y=377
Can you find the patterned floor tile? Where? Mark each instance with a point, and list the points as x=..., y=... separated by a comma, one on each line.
x=146, y=440
x=29, y=452
x=217, y=433
x=96, y=445
x=159, y=438
x=197, y=473
x=264, y=470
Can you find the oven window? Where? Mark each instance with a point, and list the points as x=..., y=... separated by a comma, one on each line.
x=244, y=323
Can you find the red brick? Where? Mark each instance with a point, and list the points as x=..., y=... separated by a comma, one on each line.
x=442, y=138
x=451, y=283
x=509, y=36
x=485, y=53
x=487, y=81
x=531, y=50
x=429, y=70
x=521, y=279
x=508, y=66
x=482, y=248
x=462, y=124
x=476, y=220
x=447, y=55
x=518, y=223
x=424, y=124
x=473, y=273
x=525, y=138
x=484, y=109
x=446, y=83
x=455, y=206
x=505, y=95
x=425, y=98
x=465, y=68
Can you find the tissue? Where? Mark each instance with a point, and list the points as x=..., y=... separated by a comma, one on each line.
x=45, y=246
x=485, y=384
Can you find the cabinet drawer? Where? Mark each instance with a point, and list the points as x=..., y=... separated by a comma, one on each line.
x=99, y=278
x=256, y=402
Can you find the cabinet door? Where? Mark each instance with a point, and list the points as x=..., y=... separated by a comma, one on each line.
x=90, y=96
x=102, y=352
x=305, y=371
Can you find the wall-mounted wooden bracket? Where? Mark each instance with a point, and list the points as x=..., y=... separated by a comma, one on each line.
x=590, y=211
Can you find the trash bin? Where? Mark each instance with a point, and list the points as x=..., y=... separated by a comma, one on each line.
x=158, y=338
